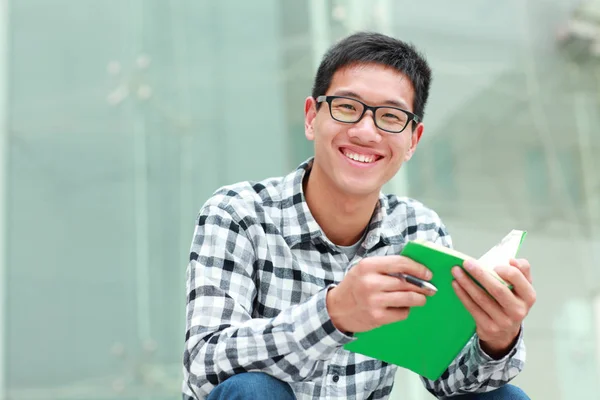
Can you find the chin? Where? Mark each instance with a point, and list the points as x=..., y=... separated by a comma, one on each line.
x=358, y=187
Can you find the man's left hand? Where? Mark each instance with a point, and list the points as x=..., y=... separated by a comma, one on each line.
x=499, y=317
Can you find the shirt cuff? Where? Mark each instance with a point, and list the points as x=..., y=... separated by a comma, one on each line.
x=481, y=357
x=319, y=337
x=347, y=335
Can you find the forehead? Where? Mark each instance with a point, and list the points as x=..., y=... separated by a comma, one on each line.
x=375, y=84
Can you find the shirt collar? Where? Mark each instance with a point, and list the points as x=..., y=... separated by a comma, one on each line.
x=299, y=225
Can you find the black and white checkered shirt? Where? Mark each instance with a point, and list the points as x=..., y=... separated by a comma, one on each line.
x=259, y=271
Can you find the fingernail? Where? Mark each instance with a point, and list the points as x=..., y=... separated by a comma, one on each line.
x=456, y=272
x=469, y=264
x=428, y=275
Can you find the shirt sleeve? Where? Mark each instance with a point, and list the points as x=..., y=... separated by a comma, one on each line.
x=474, y=371
x=222, y=337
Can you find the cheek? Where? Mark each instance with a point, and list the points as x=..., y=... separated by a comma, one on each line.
x=327, y=131
x=399, y=147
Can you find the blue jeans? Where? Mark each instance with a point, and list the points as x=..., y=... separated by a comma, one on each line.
x=252, y=385
x=257, y=385
x=506, y=392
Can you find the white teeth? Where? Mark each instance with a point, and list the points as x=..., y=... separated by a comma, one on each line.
x=360, y=157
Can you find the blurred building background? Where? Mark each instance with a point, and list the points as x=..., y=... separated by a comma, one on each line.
x=119, y=118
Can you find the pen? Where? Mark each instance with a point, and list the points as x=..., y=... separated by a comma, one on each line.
x=409, y=278
x=415, y=281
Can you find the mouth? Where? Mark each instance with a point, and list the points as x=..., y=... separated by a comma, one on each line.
x=361, y=159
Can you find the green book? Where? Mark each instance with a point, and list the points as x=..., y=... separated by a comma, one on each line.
x=433, y=335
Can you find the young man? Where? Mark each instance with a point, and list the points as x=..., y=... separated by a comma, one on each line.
x=272, y=298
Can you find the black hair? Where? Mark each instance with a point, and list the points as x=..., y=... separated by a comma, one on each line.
x=369, y=47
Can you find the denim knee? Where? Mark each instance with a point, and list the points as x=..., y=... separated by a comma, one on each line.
x=252, y=385
x=506, y=392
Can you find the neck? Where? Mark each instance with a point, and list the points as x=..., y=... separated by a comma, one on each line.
x=342, y=217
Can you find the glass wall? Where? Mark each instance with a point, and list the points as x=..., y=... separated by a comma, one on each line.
x=123, y=117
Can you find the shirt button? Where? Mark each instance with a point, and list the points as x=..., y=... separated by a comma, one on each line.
x=336, y=378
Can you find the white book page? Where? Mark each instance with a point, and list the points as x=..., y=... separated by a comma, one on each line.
x=501, y=253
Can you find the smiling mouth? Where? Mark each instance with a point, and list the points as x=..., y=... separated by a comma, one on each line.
x=362, y=158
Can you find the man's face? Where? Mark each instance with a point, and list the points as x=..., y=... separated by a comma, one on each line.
x=339, y=144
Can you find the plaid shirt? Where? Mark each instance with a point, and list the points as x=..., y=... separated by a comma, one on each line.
x=259, y=271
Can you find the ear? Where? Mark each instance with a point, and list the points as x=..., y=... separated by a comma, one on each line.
x=415, y=137
x=310, y=113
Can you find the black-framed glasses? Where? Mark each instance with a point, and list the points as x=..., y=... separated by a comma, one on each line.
x=350, y=111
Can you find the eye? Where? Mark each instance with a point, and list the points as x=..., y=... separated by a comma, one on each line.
x=391, y=116
x=347, y=106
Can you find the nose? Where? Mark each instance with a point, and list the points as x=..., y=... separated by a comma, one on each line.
x=365, y=130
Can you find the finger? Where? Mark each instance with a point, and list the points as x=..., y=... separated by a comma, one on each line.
x=500, y=292
x=480, y=316
x=403, y=299
x=378, y=283
x=524, y=266
x=390, y=315
x=398, y=264
x=387, y=283
x=374, y=282
x=479, y=297
x=521, y=286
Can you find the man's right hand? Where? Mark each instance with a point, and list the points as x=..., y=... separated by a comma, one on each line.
x=368, y=297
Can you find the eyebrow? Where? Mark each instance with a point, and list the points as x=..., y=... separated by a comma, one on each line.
x=349, y=93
